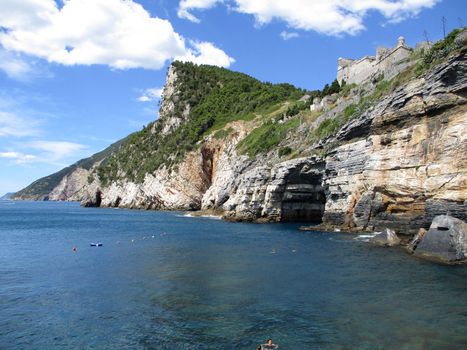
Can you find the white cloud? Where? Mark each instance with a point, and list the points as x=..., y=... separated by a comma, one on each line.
x=13, y=65
x=18, y=157
x=14, y=125
x=117, y=33
x=19, y=67
x=152, y=94
x=46, y=152
x=206, y=53
x=186, y=5
x=288, y=35
x=331, y=17
x=54, y=151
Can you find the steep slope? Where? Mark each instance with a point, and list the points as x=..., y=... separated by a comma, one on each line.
x=6, y=196
x=68, y=183
x=385, y=153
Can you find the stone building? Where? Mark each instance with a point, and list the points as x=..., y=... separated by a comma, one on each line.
x=386, y=61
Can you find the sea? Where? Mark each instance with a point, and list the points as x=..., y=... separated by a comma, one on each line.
x=165, y=280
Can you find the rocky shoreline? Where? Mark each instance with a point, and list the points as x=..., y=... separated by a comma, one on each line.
x=397, y=162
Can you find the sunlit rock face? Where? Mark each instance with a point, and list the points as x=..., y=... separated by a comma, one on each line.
x=445, y=241
x=411, y=165
x=398, y=165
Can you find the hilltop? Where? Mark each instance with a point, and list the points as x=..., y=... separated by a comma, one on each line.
x=384, y=151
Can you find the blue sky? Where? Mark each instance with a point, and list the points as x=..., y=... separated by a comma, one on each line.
x=77, y=75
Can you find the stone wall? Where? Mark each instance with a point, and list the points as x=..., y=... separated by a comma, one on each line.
x=388, y=62
x=356, y=71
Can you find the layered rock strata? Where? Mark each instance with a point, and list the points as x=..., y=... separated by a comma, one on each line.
x=398, y=165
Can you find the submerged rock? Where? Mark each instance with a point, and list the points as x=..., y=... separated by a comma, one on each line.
x=445, y=241
x=387, y=238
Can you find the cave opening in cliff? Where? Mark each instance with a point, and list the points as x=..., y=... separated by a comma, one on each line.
x=304, y=198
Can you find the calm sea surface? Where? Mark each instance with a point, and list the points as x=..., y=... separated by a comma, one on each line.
x=164, y=281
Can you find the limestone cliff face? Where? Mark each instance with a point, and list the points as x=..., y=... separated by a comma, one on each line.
x=72, y=187
x=408, y=165
x=397, y=165
x=169, y=116
x=411, y=164
x=181, y=188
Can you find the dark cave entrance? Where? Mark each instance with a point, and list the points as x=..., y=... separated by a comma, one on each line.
x=304, y=197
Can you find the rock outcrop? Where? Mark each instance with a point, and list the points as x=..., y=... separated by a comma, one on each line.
x=288, y=191
x=387, y=238
x=72, y=187
x=445, y=241
x=409, y=164
x=396, y=165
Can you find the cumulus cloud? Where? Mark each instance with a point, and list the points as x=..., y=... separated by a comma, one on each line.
x=18, y=157
x=206, y=53
x=151, y=94
x=288, y=35
x=330, y=17
x=186, y=5
x=117, y=33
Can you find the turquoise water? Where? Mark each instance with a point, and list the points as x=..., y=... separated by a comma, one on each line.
x=201, y=283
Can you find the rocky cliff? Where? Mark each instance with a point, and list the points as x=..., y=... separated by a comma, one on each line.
x=387, y=154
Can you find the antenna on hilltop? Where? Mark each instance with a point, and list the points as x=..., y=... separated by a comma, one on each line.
x=425, y=35
x=443, y=21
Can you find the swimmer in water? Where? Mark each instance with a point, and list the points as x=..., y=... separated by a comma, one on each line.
x=269, y=345
x=75, y=248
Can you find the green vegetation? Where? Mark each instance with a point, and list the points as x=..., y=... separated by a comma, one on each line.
x=442, y=48
x=222, y=133
x=345, y=89
x=45, y=185
x=216, y=96
x=265, y=137
x=296, y=108
x=328, y=90
x=330, y=126
x=285, y=151
x=438, y=51
x=334, y=88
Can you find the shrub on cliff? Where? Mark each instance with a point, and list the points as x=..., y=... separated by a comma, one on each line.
x=216, y=96
x=441, y=48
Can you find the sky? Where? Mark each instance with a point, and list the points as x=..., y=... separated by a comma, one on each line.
x=78, y=75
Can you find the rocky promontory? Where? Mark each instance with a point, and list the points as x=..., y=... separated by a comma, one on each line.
x=384, y=154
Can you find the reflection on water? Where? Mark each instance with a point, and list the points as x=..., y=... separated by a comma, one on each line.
x=164, y=281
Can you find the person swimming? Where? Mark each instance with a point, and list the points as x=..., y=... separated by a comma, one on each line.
x=269, y=345
x=74, y=248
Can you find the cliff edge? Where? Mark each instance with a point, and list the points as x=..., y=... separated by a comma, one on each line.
x=387, y=153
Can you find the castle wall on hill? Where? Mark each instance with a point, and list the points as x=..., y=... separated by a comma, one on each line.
x=388, y=62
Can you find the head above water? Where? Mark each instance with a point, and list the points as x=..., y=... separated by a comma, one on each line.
x=269, y=342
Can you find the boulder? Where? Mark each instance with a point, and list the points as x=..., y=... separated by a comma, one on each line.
x=417, y=238
x=387, y=238
x=445, y=241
